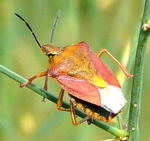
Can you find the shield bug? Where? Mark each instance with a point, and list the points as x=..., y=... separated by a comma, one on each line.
x=91, y=85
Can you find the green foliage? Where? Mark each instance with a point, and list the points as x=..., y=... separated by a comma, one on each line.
x=136, y=95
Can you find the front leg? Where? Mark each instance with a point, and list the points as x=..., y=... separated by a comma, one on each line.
x=41, y=74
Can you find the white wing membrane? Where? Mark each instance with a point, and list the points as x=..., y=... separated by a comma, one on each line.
x=112, y=98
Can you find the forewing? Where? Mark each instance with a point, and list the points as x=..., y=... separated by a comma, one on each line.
x=80, y=62
x=80, y=88
x=101, y=68
x=104, y=71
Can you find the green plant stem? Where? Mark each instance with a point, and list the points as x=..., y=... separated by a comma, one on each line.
x=113, y=130
x=136, y=93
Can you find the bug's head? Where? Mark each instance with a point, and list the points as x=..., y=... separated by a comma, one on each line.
x=50, y=50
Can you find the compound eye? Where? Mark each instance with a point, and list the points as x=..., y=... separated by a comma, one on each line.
x=51, y=54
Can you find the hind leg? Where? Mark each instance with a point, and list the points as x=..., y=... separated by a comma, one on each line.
x=74, y=116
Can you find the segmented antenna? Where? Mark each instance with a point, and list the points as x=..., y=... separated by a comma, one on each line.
x=29, y=27
x=54, y=26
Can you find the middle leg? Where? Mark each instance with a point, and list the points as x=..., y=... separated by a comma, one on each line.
x=60, y=100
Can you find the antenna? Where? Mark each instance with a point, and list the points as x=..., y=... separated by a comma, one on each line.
x=54, y=26
x=29, y=27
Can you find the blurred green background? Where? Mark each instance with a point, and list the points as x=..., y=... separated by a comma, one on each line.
x=109, y=24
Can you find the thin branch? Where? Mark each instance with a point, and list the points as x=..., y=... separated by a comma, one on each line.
x=113, y=130
x=135, y=105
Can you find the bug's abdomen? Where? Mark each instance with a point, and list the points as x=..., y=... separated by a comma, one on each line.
x=92, y=110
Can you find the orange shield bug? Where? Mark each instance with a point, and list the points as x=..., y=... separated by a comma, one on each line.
x=91, y=85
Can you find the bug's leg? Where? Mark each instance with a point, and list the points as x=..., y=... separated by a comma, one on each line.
x=115, y=60
x=121, y=123
x=32, y=78
x=90, y=120
x=59, y=102
x=74, y=118
x=46, y=83
x=45, y=86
